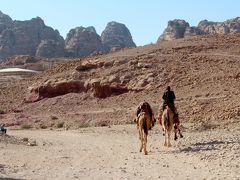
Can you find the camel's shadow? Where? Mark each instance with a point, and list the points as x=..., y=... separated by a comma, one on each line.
x=205, y=146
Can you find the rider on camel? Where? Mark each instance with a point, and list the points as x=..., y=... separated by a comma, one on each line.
x=168, y=100
x=145, y=107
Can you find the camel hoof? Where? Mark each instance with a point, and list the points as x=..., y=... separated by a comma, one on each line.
x=165, y=144
x=175, y=138
x=146, y=153
x=163, y=134
x=181, y=136
x=169, y=145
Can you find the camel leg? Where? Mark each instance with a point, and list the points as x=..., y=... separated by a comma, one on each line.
x=165, y=138
x=141, y=139
x=139, y=132
x=180, y=133
x=168, y=139
x=175, y=133
x=145, y=144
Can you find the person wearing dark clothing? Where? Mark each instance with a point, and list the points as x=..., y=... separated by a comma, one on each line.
x=168, y=100
x=168, y=96
x=2, y=128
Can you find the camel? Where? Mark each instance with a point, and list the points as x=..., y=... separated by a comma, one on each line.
x=168, y=124
x=144, y=123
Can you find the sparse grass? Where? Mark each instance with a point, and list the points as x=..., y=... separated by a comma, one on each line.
x=2, y=111
x=83, y=125
x=26, y=126
x=42, y=126
x=60, y=124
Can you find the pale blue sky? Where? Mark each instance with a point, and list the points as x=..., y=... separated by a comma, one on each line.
x=146, y=19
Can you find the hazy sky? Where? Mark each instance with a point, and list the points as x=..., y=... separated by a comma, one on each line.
x=146, y=19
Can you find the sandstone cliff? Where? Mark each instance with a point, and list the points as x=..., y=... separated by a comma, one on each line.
x=34, y=38
x=179, y=28
x=116, y=35
x=24, y=37
x=82, y=42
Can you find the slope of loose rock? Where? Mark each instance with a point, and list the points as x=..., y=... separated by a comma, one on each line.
x=203, y=72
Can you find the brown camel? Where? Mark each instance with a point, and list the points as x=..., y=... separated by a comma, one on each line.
x=144, y=123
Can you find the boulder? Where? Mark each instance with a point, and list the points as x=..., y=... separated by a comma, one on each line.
x=53, y=88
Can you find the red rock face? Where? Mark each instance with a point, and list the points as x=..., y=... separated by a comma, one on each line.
x=94, y=87
x=49, y=90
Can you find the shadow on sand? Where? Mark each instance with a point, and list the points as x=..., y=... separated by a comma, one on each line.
x=10, y=179
x=205, y=146
x=5, y=178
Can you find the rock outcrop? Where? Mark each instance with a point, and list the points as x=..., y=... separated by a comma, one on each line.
x=116, y=35
x=82, y=42
x=50, y=48
x=20, y=60
x=192, y=31
x=5, y=21
x=99, y=88
x=34, y=38
x=179, y=28
x=174, y=30
x=24, y=37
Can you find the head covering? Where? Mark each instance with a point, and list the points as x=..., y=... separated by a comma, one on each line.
x=168, y=88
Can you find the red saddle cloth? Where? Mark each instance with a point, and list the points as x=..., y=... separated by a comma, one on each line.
x=175, y=117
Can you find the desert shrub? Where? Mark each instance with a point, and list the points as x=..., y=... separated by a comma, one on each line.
x=60, y=124
x=83, y=125
x=2, y=111
x=26, y=126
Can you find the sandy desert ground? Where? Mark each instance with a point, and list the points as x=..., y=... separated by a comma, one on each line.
x=113, y=153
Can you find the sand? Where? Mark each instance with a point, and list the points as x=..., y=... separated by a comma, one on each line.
x=113, y=153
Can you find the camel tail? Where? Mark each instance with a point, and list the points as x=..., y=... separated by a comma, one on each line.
x=145, y=126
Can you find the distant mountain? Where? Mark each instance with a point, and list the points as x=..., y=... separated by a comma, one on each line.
x=180, y=29
x=116, y=35
x=34, y=38
x=82, y=41
x=28, y=37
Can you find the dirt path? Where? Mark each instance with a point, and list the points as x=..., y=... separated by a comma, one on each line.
x=112, y=153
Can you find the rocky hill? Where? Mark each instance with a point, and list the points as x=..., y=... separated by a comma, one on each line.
x=106, y=89
x=34, y=38
x=179, y=28
x=82, y=42
x=28, y=38
x=116, y=35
